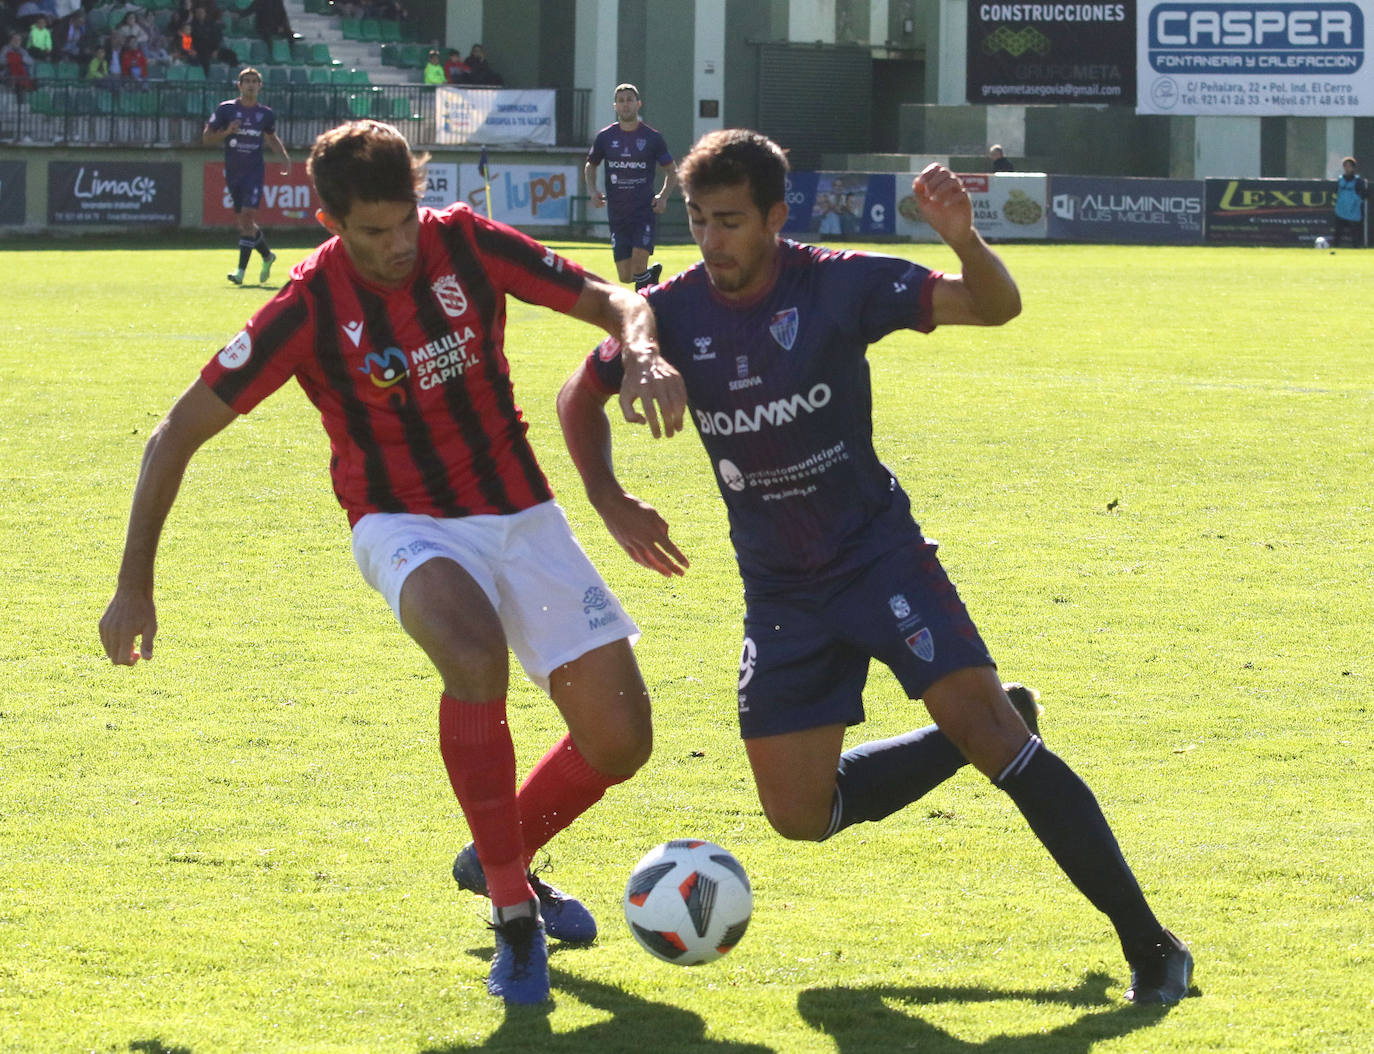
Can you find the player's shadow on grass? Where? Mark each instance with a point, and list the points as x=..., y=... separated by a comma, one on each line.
x=861, y=1020
x=636, y=1025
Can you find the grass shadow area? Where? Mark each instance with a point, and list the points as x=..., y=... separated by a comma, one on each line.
x=861, y=1020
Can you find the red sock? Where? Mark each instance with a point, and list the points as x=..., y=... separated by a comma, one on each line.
x=475, y=742
x=557, y=791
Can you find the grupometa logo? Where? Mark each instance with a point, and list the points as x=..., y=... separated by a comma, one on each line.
x=237, y=352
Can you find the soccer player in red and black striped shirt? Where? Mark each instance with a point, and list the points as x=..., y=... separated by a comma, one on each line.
x=395, y=330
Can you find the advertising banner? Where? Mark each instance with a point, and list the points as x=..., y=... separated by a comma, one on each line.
x=13, y=202
x=114, y=192
x=1126, y=211
x=841, y=204
x=1269, y=211
x=1006, y=206
x=1051, y=53
x=1237, y=58
x=287, y=201
x=442, y=188
x=493, y=117
x=522, y=195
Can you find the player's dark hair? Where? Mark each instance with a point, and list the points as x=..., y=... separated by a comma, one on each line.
x=732, y=156
x=364, y=161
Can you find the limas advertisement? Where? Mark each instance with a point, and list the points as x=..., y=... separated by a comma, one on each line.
x=1254, y=59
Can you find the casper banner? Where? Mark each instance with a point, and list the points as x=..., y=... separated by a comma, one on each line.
x=1269, y=211
x=12, y=193
x=841, y=204
x=1005, y=206
x=1126, y=211
x=522, y=195
x=493, y=117
x=1051, y=52
x=114, y=192
x=287, y=201
x=1255, y=59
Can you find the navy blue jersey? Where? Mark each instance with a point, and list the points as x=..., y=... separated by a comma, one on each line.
x=631, y=167
x=243, y=149
x=780, y=393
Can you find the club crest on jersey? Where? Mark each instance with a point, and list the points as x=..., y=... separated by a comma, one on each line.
x=608, y=349
x=450, y=296
x=640, y=144
x=784, y=328
x=353, y=331
x=922, y=644
x=385, y=368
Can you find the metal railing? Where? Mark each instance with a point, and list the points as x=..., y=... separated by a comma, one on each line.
x=173, y=113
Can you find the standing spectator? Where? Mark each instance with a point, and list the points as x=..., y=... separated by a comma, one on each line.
x=455, y=69
x=270, y=19
x=206, y=36
x=40, y=39
x=1000, y=162
x=1351, y=191
x=478, y=70
x=17, y=65
x=74, y=44
x=434, y=70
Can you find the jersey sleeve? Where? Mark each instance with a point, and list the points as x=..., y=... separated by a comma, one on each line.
x=524, y=268
x=665, y=157
x=606, y=367
x=596, y=152
x=265, y=354
x=891, y=294
x=220, y=117
x=269, y=121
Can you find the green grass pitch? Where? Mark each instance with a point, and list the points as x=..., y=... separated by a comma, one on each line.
x=1153, y=489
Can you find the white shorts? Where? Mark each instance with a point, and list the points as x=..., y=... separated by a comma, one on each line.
x=553, y=605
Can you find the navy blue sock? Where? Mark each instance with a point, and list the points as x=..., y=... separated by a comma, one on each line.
x=260, y=244
x=1065, y=816
x=878, y=778
x=245, y=252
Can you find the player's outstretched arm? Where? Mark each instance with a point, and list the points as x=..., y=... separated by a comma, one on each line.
x=985, y=294
x=280, y=148
x=649, y=379
x=635, y=525
x=132, y=614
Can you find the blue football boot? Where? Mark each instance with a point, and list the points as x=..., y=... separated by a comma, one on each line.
x=520, y=967
x=565, y=918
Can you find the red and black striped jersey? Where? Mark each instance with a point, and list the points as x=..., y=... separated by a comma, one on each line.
x=412, y=383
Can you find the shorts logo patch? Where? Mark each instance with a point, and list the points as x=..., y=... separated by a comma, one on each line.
x=748, y=658
x=922, y=644
x=900, y=607
x=237, y=352
x=594, y=599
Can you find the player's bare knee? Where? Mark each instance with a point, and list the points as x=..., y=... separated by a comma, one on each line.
x=619, y=751
x=795, y=821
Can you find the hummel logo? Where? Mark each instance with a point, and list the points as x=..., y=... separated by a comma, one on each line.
x=703, y=349
x=899, y=287
x=353, y=331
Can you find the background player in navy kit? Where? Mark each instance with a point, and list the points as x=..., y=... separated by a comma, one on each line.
x=631, y=150
x=241, y=125
x=771, y=337
x=394, y=328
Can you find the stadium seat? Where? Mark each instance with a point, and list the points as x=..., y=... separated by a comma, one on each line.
x=104, y=101
x=317, y=75
x=401, y=110
x=414, y=56
x=44, y=71
x=67, y=70
x=41, y=101
x=81, y=101
x=371, y=30
x=300, y=75
x=319, y=55
x=359, y=77
x=195, y=75
x=258, y=53
x=391, y=55
x=391, y=31
x=281, y=51
x=351, y=28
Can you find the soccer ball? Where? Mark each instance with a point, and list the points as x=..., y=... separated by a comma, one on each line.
x=688, y=901
x=1322, y=243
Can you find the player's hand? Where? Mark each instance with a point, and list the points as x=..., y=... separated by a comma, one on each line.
x=651, y=381
x=129, y=616
x=233, y=126
x=598, y=200
x=643, y=534
x=660, y=204
x=944, y=204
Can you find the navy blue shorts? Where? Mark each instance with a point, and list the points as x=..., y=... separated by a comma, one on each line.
x=637, y=232
x=806, y=652
x=245, y=192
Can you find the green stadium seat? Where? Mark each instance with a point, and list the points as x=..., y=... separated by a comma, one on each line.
x=316, y=7
x=299, y=75
x=319, y=55
x=414, y=56
x=81, y=101
x=351, y=28
x=44, y=71
x=67, y=70
x=318, y=75
x=258, y=53
x=300, y=52
x=401, y=110
x=371, y=30
x=359, y=77
x=391, y=31
x=41, y=101
x=179, y=73
x=281, y=52
x=391, y=54
x=104, y=101
x=340, y=75
x=195, y=75
x=239, y=5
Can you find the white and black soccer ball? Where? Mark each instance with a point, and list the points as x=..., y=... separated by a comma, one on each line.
x=1321, y=243
x=688, y=901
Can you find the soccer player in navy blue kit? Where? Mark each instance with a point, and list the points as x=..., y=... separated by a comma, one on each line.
x=242, y=125
x=770, y=337
x=632, y=150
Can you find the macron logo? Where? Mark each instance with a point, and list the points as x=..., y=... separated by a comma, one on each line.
x=353, y=331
